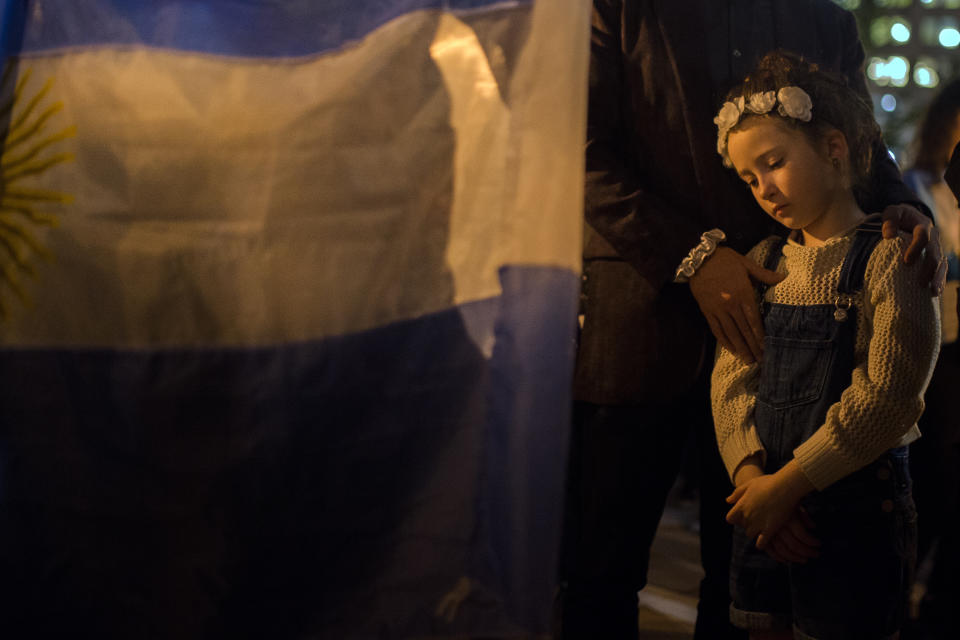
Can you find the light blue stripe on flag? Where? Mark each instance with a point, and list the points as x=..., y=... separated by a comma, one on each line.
x=248, y=28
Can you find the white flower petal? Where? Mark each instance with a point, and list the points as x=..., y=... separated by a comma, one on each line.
x=728, y=116
x=796, y=103
x=761, y=103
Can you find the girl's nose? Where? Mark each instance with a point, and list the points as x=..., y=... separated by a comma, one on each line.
x=768, y=189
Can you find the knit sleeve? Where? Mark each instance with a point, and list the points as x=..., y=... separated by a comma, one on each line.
x=885, y=397
x=733, y=390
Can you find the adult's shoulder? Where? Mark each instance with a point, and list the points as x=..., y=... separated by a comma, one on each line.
x=829, y=7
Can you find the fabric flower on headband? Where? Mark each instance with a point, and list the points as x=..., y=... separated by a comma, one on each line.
x=762, y=102
x=729, y=116
x=794, y=103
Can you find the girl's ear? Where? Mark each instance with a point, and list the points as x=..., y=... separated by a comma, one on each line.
x=836, y=145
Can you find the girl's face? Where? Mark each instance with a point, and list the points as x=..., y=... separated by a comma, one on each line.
x=795, y=183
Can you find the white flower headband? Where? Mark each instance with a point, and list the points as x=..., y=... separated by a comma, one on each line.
x=794, y=103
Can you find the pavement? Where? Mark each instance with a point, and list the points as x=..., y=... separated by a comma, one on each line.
x=668, y=604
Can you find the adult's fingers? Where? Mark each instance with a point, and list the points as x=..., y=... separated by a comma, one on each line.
x=934, y=269
x=755, y=322
x=918, y=242
x=939, y=280
x=719, y=333
x=749, y=331
x=735, y=335
x=891, y=227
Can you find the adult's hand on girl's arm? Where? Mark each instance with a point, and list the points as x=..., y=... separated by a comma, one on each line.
x=924, y=244
x=726, y=296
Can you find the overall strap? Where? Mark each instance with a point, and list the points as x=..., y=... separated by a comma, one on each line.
x=770, y=264
x=773, y=256
x=866, y=237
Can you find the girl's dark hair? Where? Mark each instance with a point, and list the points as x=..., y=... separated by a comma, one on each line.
x=835, y=105
x=932, y=142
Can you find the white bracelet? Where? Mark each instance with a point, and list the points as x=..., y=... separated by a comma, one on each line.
x=708, y=244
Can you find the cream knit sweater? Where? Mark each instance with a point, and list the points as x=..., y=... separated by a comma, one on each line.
x=898, y=337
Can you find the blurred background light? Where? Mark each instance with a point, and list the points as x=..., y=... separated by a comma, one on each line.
x=900, y=32
x=925, y=73
x=949, y=37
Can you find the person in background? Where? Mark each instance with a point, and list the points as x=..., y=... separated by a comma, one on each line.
x=935, y=459
x=666, y=230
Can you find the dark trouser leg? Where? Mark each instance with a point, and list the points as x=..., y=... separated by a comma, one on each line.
x=623, y=461
x=713, y=609
x=934, y=464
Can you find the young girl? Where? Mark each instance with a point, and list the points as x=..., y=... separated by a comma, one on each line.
x=814, y=435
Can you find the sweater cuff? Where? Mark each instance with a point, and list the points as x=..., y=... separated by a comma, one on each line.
x=821, y=462
x=739, y=447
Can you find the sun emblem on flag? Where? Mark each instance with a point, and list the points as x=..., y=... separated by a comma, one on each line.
x=29, y=149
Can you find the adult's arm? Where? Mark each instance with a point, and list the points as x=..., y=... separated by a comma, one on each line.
x=620, y=203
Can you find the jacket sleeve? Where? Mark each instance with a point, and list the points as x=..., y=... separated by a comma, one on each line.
x=885, y=396
x=886, y=185
x=619, y=203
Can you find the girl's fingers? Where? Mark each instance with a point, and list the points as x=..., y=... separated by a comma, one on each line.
x=737, y=493
x=762, y=541
x=802, y=551
x=782, y=548
x=733, y=516
x=799, y=531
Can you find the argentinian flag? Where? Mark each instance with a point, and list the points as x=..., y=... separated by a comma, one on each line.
x=288, y=298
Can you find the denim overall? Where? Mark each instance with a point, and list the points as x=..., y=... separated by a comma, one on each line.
x=866, y=522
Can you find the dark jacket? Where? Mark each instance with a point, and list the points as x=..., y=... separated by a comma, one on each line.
x=655, y=182
x=952, y=175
